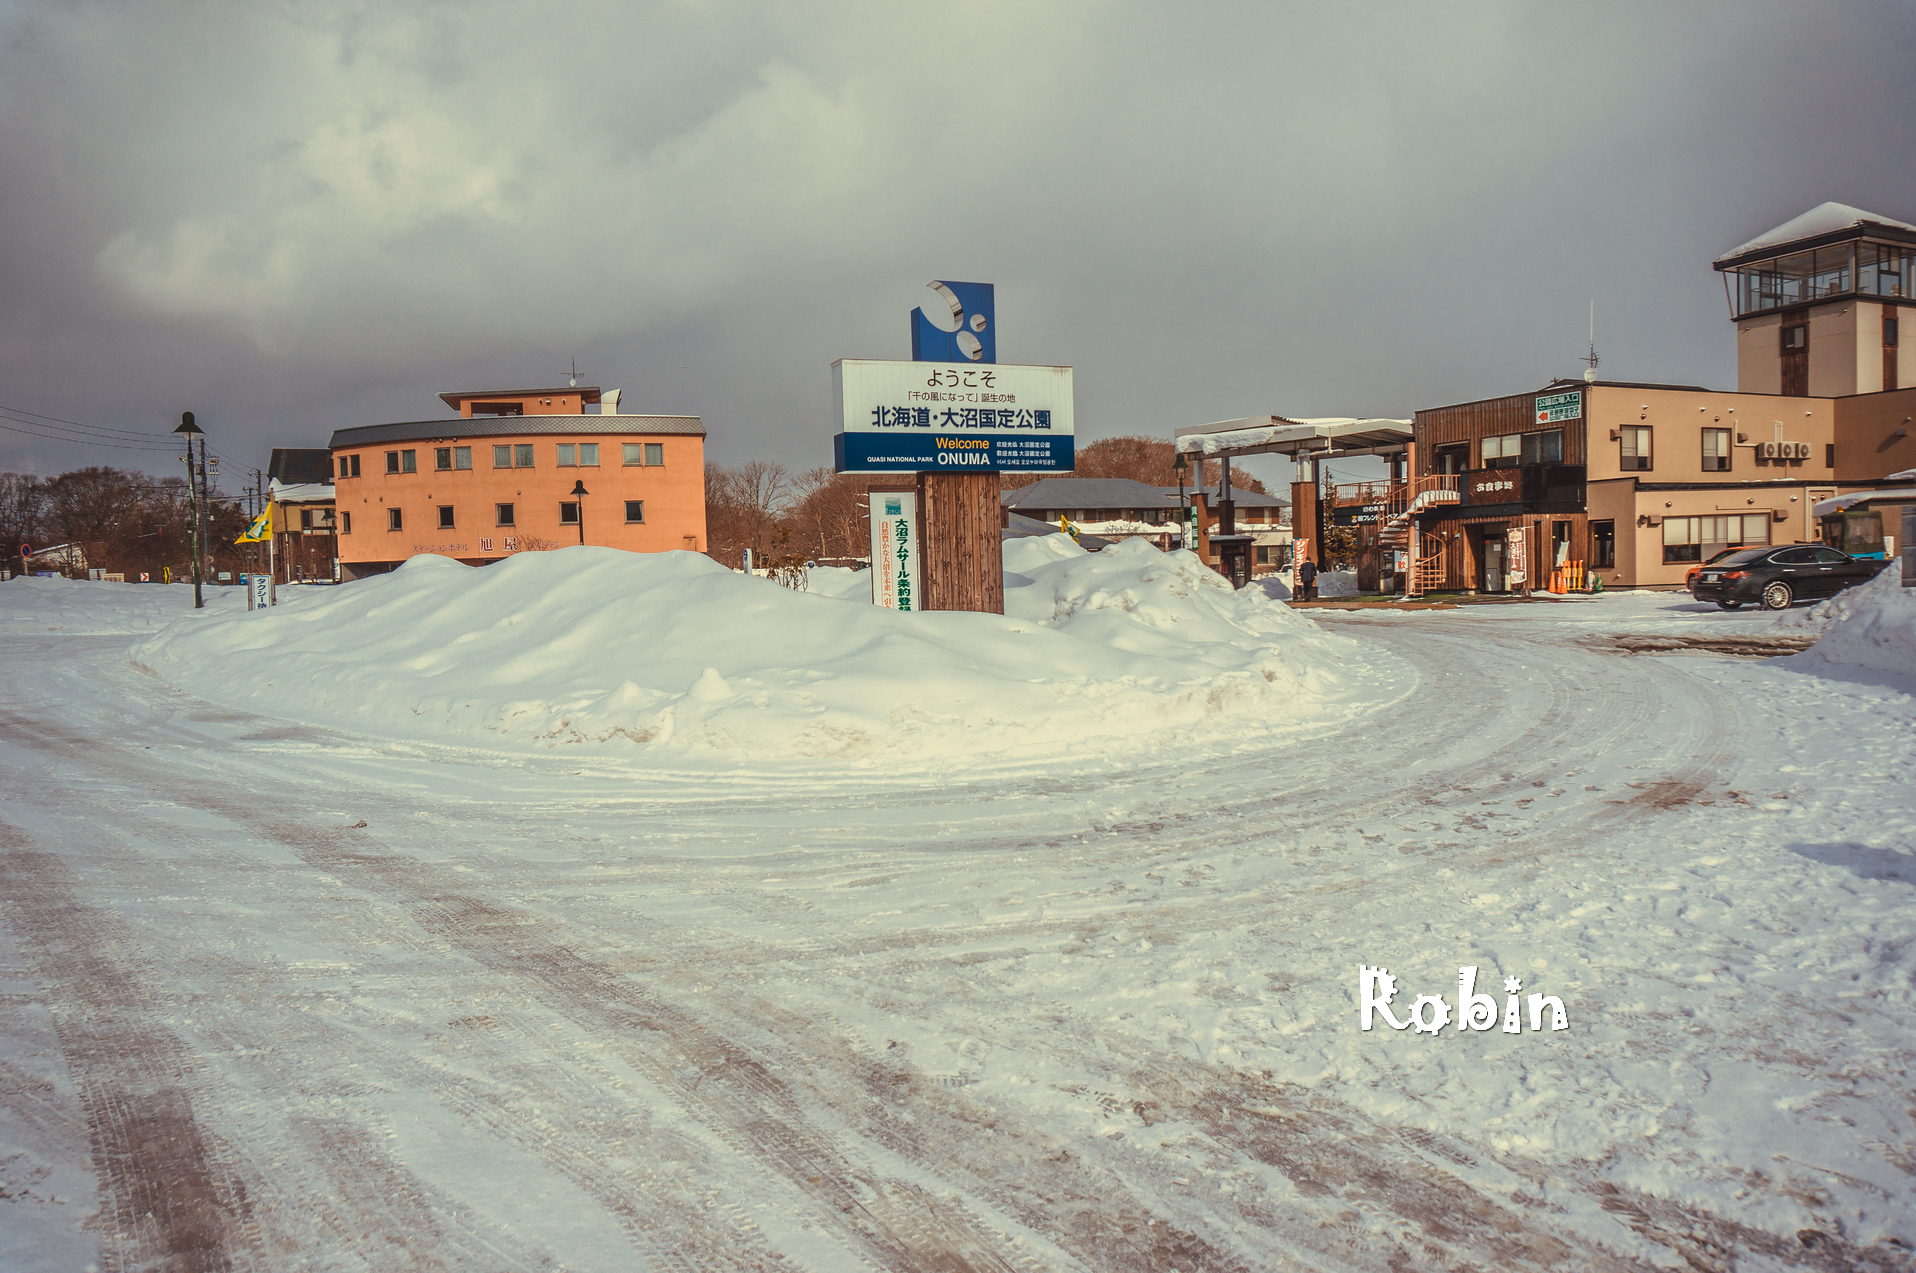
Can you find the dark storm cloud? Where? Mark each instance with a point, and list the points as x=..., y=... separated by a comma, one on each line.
x=295, y=217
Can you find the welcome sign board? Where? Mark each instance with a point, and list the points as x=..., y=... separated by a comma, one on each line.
x=927, y=416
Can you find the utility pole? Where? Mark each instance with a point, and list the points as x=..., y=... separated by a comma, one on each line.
x=189, y=431
x=206, y=504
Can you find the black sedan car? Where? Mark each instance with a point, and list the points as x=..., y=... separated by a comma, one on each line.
x=1776, y=577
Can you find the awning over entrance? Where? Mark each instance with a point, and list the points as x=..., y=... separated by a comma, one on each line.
x=1324, y=438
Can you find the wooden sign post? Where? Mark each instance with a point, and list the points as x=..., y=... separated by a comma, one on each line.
x=964, y=559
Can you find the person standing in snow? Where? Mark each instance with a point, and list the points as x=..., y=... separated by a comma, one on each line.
x=1307, y=580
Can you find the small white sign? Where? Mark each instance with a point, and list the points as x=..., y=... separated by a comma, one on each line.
x=993, y=399
x=894, y=516
x=257, y=591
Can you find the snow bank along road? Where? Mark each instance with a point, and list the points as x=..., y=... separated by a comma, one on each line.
x=275, y=997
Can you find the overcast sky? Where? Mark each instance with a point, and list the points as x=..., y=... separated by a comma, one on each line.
x=296, y=217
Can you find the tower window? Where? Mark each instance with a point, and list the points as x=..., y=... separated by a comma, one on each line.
x=445, y=517
x=1796, y=338
x=1890, y=326
x=393, y=520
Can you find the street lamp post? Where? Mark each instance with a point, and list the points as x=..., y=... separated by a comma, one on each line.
x=578, y=492
x=195, y=496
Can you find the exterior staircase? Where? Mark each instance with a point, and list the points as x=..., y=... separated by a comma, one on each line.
x=1405, y=500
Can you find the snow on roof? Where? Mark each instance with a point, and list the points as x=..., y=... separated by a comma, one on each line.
x=1825, y=507
x=1287, y=436
x=1824, y=218
x=300, y=492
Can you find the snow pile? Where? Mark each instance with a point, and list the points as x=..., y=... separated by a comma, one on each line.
x=1133, y=597
x=86, y=607
x=839, y=581
x=599, y=648
x=1336, y=583
x=1872, y=627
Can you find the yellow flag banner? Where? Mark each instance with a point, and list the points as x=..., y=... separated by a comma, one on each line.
x=260, y=530
x=1064, y=524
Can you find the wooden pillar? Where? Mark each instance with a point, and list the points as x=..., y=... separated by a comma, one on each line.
x=964, y=561
x=1203, y=548
x=1304, y=517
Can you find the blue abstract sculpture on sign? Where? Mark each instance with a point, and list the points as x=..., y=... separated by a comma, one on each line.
x=976, y=336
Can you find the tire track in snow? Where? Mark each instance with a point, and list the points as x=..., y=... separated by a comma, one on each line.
x=898, y=1225
x=165, y=1204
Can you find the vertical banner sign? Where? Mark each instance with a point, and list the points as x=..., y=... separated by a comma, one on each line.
x=256, y=596
x=895, y=550
x=1517, y=557
x=1300, y=549
x=1191, y=527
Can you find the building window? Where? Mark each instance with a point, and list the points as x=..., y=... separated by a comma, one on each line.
x=583, y=455
x=569, y=513
x=447, y=458
x=345, y=523
x=637, y=453
x=1603, y=544
x=635, y=510
x=305, y=519
x=1716, y=450
x=445, y=517
x=505, y=514
x=498, y=408
x=522, y=455
x=1263, y=555
x=1700, y=538
x=568, y=455
x=1545, y=447
x=393, y=520
x=1796, y=338
x=1502, y=452
x=442, y=459
x=349, y=466
x=654, y=453
x=402, y=461
x=392, y=461
x=1634, y=449
x=502, y=457
x=1829, y=455
x=1890, y=332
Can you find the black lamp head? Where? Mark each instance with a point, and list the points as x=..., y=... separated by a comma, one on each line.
x=187, y=426
x=578, y=488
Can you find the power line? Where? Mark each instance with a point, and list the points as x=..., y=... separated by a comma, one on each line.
x=39, y=417
x=83, y=441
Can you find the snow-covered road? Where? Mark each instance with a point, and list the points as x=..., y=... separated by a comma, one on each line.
x=275, y=997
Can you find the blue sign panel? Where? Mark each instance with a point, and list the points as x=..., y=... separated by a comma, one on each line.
x=976, y=339
x=952, y=453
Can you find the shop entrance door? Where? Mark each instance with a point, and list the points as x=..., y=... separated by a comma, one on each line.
x=1494, y=563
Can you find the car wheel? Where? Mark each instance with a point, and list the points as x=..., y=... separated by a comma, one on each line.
x=1777, y=596
x=1731, y=605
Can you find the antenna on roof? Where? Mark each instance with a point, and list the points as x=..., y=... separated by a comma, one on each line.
x=573, y=376
x=1591, y=357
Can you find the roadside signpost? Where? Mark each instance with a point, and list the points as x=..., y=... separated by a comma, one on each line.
x=955, y=418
